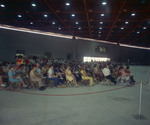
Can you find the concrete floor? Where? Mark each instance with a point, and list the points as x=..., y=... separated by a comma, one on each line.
x=115, y=107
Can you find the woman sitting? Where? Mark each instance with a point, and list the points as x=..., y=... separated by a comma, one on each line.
x=70, y=77
x=85, y=77
x=13, y=78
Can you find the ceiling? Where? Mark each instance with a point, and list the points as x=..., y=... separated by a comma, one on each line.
x=120, y=21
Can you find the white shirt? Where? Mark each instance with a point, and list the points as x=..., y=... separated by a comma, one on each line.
x=106, y=71
x=50, y=72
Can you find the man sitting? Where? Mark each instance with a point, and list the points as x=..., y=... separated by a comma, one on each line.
x=36, y=78
x=97, y=72
x=52, y=76
x=107, y=74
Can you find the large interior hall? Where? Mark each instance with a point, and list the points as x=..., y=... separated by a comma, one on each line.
x=74, y=62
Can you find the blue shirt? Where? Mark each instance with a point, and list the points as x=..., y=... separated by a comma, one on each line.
x=12, y=73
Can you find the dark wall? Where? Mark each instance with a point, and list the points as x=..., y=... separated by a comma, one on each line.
x=34, y=44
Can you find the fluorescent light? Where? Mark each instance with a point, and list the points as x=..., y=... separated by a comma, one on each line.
x=102, y=14
x=77, y=23
x=97, y=59
x=31, y=23
x=126, y=22
x=73, y=15
x=67, y=4
x=144, y=28
x=2, y=5
x=137, y=32
x=133, y=14
x=101, y=22
x=99, y=35
x=59, y=28
x=122, y=28
x=79, y=28
x=104, y=3
x=53, y=23
x=100, y=28
x=33, y=4
x=19, y=16
x=99, y=32
x=45, y=15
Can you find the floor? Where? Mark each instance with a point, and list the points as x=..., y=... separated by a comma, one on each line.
x=97, y=105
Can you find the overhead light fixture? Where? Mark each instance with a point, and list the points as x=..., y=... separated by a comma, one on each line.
x=31, y=23
x=100, y=28
x=67, y=4
x=137, y=32
x=99, y=32
x=73, y=15
x=133, y=14
x=126, y=22
x=122, y=28
x=104, y=3
x=101, y=22
x=144, y=28
x=99, y=35
x=102, y=14
x=79, y=28
x=76, y=22
x=45, y=15
x=2, y=5
x=33, y=4
x=59, y=28
x=53, y=23
x=19, y=16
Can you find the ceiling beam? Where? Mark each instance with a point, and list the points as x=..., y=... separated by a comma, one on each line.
x=82, y=12
x=115, y=20
x=87, y=16
x=146, y=34
x=136, y=20
x=134, y=28
x=52, y=9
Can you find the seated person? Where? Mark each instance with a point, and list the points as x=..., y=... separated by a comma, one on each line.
x=84, y=76
x=22, y=72
x=123, y=76
x=115, y=72
x=36, y=78
x=107, y=74
x=52, y=76
x=98, y=73
x=61, y=74
x=131, y=79
x=39, y=71
x=13, y=78
x=70, y=76
x=88, y=71
x=5, y=67
x=44, y=70
x=77, y=74
x=1, y=77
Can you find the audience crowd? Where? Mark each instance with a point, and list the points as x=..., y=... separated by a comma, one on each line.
x=31, y=72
